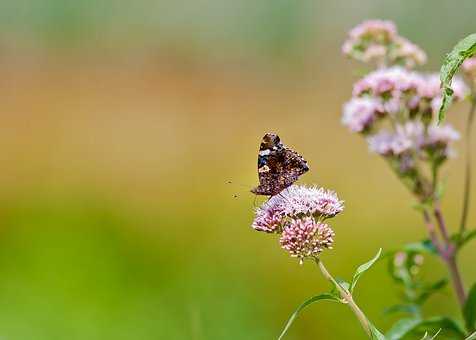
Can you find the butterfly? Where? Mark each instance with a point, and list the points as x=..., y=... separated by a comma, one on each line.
x=278, y=166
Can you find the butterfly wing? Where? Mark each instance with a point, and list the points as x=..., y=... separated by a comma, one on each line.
x=278, y=166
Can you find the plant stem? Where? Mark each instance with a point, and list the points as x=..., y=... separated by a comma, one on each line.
x=456, y=279
x=347, y=297
x=441, y=224
x=432, y=232
x=467, y=175
x=448, y=254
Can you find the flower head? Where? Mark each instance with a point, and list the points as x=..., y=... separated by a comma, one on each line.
x=359, y=113
x=306, y=238
x=407, y=54
x=374, y=30
x=267, y=219
x=469, y=69
x=407, y=138
x=387, y=82
x=378, y=42
x=439, y=140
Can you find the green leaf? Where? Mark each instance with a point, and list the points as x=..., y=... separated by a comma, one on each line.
x=427, y=337
x=343, y=283
x=429, y=290
x=402, y=327
x=414, y=326
x=466, y=48
x=472, y=336
x=363, y=268
x=406, y=327
x=468, y=236
x=411, y=309
x=375, y=333
x=424, y=246
x=469, y=309
x=325, y=296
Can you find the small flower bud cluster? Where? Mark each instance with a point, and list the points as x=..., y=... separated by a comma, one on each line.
x=377, y=42
x=395, y=108
x=298, y=214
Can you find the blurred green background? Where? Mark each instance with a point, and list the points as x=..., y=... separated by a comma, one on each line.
x=123, y=121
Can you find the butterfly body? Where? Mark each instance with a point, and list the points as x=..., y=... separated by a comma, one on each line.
x=278, y=166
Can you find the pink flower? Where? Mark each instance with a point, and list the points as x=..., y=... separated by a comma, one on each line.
x=441, y=135
x=268, y=220
x=295, y=202
x=469, y=69
x=407, y=137
x=381, y=143
x=376, y=30
x=430, y=87
x=407, y=54
x=390, y=81
x=377, y=42
x=305, y=237
x=359, y=113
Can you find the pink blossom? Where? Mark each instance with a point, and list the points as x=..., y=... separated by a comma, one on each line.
x=407, y=137
x=393, y=81
x=305, y=237
x=296, y=201
x=359, y=113
x=441, y=134
x=378, y=30
x=469, y=69
x=407, y=53
x=267, y=219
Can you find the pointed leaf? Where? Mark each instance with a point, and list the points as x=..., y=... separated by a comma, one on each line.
x=411, y=309
x=325, y=296
x=464, y=49
x=469, y=309
x=427, y=337
x=424, y=246
x=468, y=236
x=363, y=268
x=402, y=327
x=406, y=327
x=472, y=336
x=429, y=290
x=375, y=333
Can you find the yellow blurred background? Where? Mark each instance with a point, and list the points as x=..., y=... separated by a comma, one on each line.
x=123, y=121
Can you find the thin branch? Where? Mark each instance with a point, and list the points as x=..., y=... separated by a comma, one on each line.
x=442, y=224
x=450, y=257
x=347, y=297
x=432, y=233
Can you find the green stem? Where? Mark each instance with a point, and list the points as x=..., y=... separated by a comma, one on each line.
x=347, y=297
x=467, y=175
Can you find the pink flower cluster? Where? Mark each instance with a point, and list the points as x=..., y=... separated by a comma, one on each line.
x=306, y=238
x=297, y=213
x=395, y=92
x=414, y=139
x=378, y=42
x=395, y=108
x=469, y=69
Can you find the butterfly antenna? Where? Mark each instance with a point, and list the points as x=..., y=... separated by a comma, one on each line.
x=236, y=195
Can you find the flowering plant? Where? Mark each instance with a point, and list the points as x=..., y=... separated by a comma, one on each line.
x=399, y=112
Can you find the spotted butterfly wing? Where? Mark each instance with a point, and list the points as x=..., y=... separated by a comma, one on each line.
x=278, y=166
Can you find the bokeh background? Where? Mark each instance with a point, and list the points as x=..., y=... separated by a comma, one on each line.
x=122, y=123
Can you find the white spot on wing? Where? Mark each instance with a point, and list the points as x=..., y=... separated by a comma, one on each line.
x=265, y=152
x=264, y=169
